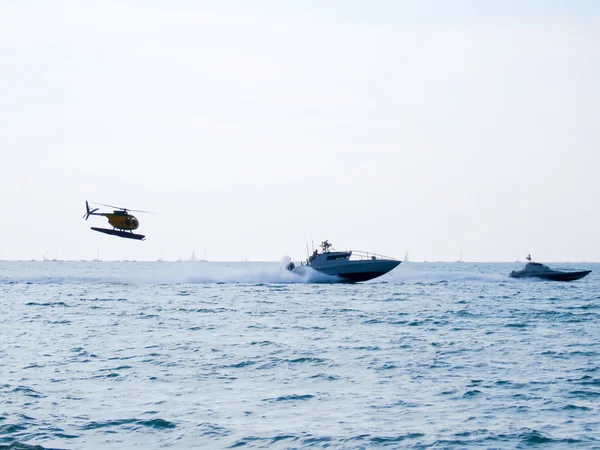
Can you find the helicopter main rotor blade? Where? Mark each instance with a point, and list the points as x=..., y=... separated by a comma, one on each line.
x=139, y=210
x=111, y=206
x=125, y=209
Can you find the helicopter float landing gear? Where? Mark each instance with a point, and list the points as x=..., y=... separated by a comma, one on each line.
x=119, y=233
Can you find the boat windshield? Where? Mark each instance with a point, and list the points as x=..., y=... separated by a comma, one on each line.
x=339, y=255
x=538, y=265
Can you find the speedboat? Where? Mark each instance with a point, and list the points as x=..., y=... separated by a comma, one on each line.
x=538, y=270
x=350, y=265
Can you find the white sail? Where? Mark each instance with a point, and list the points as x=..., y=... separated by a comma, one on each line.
x=204, y=259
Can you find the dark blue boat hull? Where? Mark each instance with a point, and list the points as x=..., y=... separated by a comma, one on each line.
x=361, y=276
x=554, y=276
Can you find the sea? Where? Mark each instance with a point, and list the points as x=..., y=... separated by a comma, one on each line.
x=147, y=355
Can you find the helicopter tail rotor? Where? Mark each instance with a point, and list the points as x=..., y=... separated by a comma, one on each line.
x=89, y=211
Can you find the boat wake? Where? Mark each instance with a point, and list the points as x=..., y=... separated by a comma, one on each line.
x=212, y=273
x=436, y=277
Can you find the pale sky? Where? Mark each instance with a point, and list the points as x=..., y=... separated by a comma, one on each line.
x=432, y=127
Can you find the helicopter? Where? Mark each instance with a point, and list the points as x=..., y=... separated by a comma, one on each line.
x=123, y=223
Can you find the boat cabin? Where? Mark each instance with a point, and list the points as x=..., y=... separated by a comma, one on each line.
x=536, y=267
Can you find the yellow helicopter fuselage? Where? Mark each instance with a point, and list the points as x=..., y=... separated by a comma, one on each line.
x=122, y=221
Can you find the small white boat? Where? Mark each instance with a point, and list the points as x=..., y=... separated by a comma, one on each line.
x=350, y=265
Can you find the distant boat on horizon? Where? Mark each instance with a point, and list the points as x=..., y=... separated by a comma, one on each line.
x=194, y=259
x=405, y=260
x=460, y=259
x=97, y=256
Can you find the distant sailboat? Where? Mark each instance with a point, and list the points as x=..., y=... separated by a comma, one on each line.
x=97, y=256
x=193, y=257
x=204, y=259
x=161, y=257
x=405, y=260
x=461, y=258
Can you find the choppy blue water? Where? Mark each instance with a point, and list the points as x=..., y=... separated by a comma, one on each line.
x=216, y=355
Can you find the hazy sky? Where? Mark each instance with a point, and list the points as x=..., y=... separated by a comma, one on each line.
x=432, y=126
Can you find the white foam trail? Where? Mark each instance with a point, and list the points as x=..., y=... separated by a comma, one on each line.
x=432, y=277
x=184, y=273
x=261, y=275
